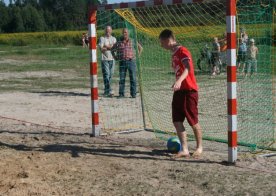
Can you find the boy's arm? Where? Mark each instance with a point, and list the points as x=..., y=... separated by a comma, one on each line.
x=185, y=73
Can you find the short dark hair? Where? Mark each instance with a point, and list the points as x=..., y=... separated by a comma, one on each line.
x=166, y=34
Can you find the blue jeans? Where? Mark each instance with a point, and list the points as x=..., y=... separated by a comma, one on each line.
x=131, y=67
x=108, y=70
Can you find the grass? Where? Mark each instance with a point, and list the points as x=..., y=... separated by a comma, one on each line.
x=54, y=67
x=24, y=39
x=70, y=63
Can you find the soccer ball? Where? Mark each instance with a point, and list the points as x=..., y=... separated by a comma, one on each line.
x=173, y=145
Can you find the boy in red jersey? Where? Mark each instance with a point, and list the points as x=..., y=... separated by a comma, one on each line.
x=185, y=97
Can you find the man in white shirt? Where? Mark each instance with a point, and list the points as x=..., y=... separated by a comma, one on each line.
x=106, y=43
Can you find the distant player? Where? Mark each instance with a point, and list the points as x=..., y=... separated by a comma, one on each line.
x=223, y=50
x=216, y=57
x=244, y=35
x=185, y=97
x=251, y=64
x=241, y=60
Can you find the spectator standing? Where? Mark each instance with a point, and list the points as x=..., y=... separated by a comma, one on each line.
x=84, y=45
x=86, y=39
x=215, y=59
x=244, y=36
x=241, y=60
x=251, y=65
x=107, y=61
x=125, y=52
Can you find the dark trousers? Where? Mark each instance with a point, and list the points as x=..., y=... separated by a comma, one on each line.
x=107, y=70
x=131, y=67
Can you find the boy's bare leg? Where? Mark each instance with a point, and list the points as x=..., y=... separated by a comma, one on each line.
x=182, y=135
x=198, y=135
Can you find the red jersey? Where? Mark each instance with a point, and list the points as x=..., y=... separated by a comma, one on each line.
x=182, y=53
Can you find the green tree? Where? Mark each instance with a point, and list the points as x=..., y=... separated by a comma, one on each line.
x=50, y=21
x=32, y=20
x=18, y=2
x=49, y=15
x=33, y=3
x=4, y=15
x=77, y=16
x=16, y=22
x=63, y=22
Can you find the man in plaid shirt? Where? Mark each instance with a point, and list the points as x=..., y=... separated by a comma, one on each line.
x=124, y=51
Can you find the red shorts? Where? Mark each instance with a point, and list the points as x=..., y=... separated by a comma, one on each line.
x=184, y=105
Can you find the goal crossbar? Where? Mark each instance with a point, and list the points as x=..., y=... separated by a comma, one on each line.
x=141, y=4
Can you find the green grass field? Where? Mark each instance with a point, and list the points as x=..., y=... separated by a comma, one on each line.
x=70, y=60
x=51, y=67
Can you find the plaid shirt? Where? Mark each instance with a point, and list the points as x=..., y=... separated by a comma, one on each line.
x=125, y=50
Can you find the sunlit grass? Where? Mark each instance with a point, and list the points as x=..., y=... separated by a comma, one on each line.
x=71, y=65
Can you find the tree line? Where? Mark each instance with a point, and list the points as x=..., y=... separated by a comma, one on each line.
x=44, y=15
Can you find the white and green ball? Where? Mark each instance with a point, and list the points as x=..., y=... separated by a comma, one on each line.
x=173, y=145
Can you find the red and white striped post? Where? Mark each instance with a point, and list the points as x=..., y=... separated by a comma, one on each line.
x=231, y=80
x=93, y=73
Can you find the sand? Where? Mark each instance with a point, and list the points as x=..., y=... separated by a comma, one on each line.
x=46, y=149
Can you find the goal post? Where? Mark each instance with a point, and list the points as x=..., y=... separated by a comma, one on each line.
x=93, y=73
x=196, y=24
x=231, y=80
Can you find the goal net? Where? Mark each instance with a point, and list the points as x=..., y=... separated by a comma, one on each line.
x=196, y=26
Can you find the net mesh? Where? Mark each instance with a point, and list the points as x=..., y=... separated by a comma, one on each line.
x=196, y=26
